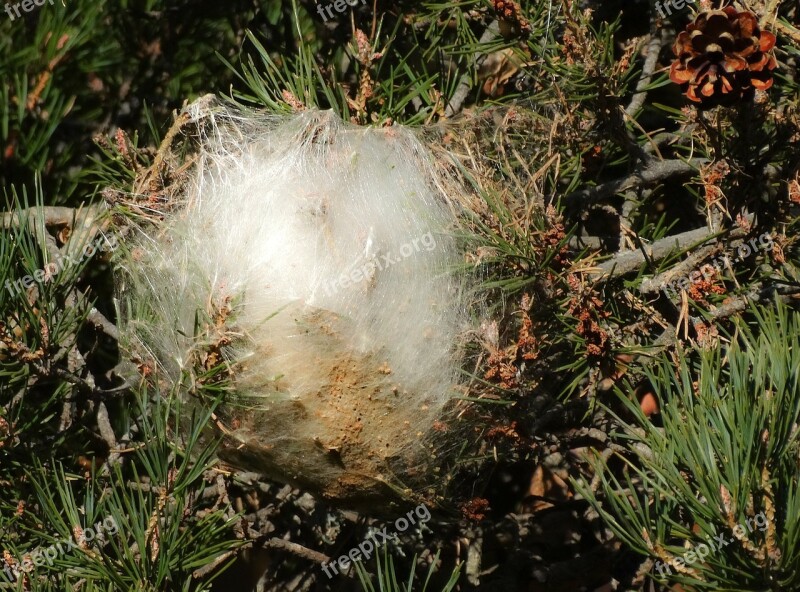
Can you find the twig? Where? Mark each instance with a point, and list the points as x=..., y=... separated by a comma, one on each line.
x=656, y=283
x=787, y=30
x=202, y=572
x=474, y=555
x=51, y=215
x=104, y=426
x=757, y=293
x=649, y=66
x=114, y=392
x=662, y=139
x=465, y=84
x=84, y=386
x=151, y=181
x=654, y=172
x=628, y=261
x=102, y=324
x=299, y=550
x=57, y=372
x=625, y=227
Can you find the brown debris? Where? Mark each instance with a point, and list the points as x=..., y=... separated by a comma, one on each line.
x=547, y=489
x=503, y=363
x=511, y=20
x=475, y=509
x=588, y=310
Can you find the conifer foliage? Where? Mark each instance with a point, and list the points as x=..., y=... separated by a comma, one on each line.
x=628, y=405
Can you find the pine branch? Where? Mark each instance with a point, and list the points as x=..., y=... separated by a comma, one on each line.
x=653, y=172
x=629, y=261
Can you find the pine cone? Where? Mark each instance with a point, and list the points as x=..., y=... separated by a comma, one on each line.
x=722, y=57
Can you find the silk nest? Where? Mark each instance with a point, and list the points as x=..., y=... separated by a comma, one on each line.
x=318, y=264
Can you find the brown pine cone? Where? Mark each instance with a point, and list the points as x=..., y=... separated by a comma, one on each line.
x=722, y=57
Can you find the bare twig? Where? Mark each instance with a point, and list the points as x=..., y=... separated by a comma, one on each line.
x=654, y=172
x=662, y=139
x=650, y=62
x=654, y=284
x=757, y=293
x=114, y=392
x=102, y=324
x=210, y=567
x=51, y=216
x=474, y=556
x=299, y=550
x=104, y=426
x=51, y=371
x=465, y=84
x=628, y=261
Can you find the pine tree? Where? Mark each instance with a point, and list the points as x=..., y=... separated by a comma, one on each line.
x=633, y=190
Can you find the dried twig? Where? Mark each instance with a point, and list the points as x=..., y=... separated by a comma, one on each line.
x=737, y=304
x=756, y=294
x=152, y=181
x=51, y=216
x=202, y=572
x=653, y=172
x=465, y=84
x=655, y=284
x=628, y=261
x=299, y=550
x=104, y=426
x=649, y=66
x=102, y=324
x=474, y=556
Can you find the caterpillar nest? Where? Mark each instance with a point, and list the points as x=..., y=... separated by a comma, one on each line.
x=315, y=260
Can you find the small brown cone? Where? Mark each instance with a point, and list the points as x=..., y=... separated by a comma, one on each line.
x=723, y=57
